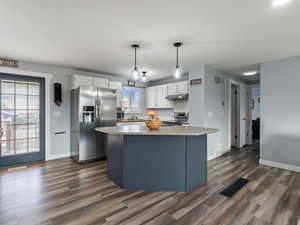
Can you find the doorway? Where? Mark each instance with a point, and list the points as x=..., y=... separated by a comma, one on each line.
x=235, y=116
x=255, y=114
x=22, y=119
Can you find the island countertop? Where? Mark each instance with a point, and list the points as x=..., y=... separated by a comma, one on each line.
x=167, y=131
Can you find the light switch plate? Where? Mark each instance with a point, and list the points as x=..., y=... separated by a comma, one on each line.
x=298, y=222
x=57, y=114
x=210, y=115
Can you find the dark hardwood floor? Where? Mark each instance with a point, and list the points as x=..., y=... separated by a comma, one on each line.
x=62, y=192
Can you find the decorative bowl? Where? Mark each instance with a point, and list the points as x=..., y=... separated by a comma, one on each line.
x=152, y=126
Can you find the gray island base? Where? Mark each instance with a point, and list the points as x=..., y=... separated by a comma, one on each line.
x=169, y=159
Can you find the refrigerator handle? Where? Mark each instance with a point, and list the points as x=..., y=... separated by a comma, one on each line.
x=99, y=111
x=96, y=109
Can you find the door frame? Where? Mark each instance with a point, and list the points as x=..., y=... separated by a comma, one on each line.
x=237, y=115
x=48, y=78
x=249, y=129
x=242, y=132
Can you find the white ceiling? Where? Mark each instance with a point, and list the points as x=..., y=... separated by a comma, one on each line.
x=95, y=34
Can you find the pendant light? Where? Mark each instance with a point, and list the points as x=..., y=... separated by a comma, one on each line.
x=135, y=70
x=144, y=77
x=177, y=73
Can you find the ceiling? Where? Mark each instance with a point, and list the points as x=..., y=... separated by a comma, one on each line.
x=231, y=35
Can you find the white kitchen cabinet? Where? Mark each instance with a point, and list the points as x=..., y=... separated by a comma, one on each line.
x=151, y=97
x=156, y=97
x=118, y=86
x=182, y=87
x=79, y=80
x=100, y=82
x=160, y=93
x=171, y=88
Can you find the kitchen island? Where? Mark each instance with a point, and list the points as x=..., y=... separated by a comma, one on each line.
x=169, y=159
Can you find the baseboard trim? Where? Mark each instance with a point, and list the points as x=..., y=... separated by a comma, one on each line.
x=58, y=156
x=279, y=165
x=219, y=152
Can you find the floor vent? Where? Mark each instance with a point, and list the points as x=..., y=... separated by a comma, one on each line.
x=234, y=187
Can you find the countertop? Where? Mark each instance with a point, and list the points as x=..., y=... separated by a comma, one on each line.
x=143, y=130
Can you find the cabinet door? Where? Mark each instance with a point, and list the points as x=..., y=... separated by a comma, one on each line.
x=100, y=82
x=118, y=86
x=79, y=80
x=171, y=89
x=182, y=87
x=159, y=97
x=151, y=97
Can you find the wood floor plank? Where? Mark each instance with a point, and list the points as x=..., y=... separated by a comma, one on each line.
x=61, y=192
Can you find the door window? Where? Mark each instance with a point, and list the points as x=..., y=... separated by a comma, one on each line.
x=20, y=111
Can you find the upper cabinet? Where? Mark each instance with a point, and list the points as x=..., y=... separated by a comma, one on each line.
x=157, y=95
x=151, y=97
x=79, y=80
x=171, y=88
x=118, y=86
x=182, y=87
x=178, y=88
x=100, y=82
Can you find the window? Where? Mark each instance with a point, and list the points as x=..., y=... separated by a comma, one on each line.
x=132, y=99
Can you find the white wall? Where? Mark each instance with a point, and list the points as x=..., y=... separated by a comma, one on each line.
x=280, y=113
x=60, y=144
x=210, y=106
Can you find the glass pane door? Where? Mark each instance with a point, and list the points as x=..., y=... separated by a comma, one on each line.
x=20, y=114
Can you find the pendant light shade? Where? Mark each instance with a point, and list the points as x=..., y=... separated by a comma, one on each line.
x=135, y=70
x=144, y=77
x=177, y=72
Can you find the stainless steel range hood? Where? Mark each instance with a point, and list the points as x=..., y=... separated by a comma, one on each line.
x=178, y=97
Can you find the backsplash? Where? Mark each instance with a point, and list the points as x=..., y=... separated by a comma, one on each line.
x=180, y=106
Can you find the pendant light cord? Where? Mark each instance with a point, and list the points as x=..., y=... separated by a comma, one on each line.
x=135, y=58
x=177, y=57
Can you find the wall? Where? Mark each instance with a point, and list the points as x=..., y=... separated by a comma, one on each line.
x=60, y=116
x=280, y=113
x=196, y=97
x=210, y=106
x=217, y=111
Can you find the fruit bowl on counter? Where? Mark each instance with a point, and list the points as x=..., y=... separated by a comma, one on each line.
x=153, y=124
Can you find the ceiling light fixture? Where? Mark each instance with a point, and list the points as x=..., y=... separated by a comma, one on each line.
x=250, y=73
x=144, y=77
x=278, y=3
x=135, y=70
x=177, y=73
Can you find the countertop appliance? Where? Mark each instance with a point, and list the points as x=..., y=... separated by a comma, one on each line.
x=91, y=107
x=179, y=118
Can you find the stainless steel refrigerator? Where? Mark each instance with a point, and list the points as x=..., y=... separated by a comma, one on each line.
x=91, y=108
